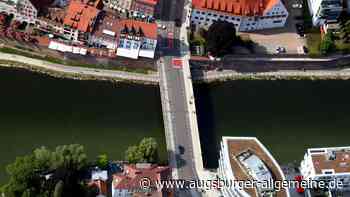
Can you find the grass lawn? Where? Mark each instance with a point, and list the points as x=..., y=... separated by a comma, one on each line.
x=73, y=62
x=313, y=39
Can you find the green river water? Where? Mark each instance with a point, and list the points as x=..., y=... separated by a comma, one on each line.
x=287, y=116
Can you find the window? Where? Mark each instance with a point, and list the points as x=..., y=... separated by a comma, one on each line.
x=278, y=21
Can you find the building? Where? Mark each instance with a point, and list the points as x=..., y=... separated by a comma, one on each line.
x=325, y=11
x=144, y=7
x=121, y=5
x=246, y=159
x=137, y=39
x=127, y=183
x=80, y=19
x=22, y=10
x=99, y=180
x=246, y=15
x=105, y=32
x=327, y=164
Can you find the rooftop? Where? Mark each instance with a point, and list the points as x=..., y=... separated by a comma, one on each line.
x=80, y=16
x=133, y=174
x=149, y=30
x=236, y=7
x=325, y=160
x=250, y=160
x=149, y=2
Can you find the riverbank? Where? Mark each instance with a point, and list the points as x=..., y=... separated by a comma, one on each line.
x=228, y=75
x=73, y=72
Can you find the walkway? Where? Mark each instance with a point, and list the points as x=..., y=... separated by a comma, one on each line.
x=40, y=64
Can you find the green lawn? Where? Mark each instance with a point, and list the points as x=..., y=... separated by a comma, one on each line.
x=313, y=40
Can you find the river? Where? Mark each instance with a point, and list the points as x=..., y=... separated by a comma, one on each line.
x=38, y=110
x=287, y=116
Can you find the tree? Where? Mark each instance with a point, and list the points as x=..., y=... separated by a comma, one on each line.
x=102, y=161
x=327, y=43
x=149, y=149
x=145, y=152
x=58, y=189
x=220, y=38
x=23, y=176
x=133, y=155
x=71, y=156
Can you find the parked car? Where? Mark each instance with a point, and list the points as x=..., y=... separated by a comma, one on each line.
x=181, y=150
x=305, y=50
x=297, y=5
x=280, y=50
x=300, y=29
x=178, y=22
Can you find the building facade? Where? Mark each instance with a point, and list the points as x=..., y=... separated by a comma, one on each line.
x=144, y=7
x=327, y=164
x=246, y=15
x=246, y=159
x=137, y=39
x=325, y=11
x=22, y=10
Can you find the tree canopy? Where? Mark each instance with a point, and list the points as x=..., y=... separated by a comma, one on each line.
x=220, y=38
x=327, y=43
x=145, y=152
x=27, y=173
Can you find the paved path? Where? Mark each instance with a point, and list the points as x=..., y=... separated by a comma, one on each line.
x=229, y=74
x=153, y=78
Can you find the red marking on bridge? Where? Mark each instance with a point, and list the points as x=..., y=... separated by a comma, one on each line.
x=177, y=63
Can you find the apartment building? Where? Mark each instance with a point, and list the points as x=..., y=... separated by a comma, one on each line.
x=327, y=164
x=246, y=15
x=137, y=39
x=325, y=11
x=80, y=19
x=22, y=10
x=246, y=159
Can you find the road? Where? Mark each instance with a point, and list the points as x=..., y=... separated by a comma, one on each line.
x=176, y=99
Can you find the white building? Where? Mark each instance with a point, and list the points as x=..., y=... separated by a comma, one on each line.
x=327, y=164
x=137, y=39
x=22, y=10
x=246, y=15
x=325, y=11
x=246, y=159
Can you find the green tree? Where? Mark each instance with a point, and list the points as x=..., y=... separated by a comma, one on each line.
x=58, y=189
x=23, y=175
x=327, y=44
x=149, y=149
x=133, y=155
x=220, y=38
x=146, y=151
x=43, y=157
x=71, y=156
x=102, y=161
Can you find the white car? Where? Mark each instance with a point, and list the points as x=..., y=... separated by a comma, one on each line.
x=297, y=5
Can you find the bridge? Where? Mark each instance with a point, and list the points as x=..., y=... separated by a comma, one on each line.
x=178, y=101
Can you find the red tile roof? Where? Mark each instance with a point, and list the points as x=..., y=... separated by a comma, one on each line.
x=236, y=7
x=150, y=2
x=132, y=176
x=80, y=16
x=149, y=29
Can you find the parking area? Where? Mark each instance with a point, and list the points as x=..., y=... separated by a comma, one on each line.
x=269, y=40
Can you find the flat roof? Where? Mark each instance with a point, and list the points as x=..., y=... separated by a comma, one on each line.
x=237, y=147
x=328, y=159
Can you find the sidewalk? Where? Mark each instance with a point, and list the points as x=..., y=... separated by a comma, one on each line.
x=40, y=64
